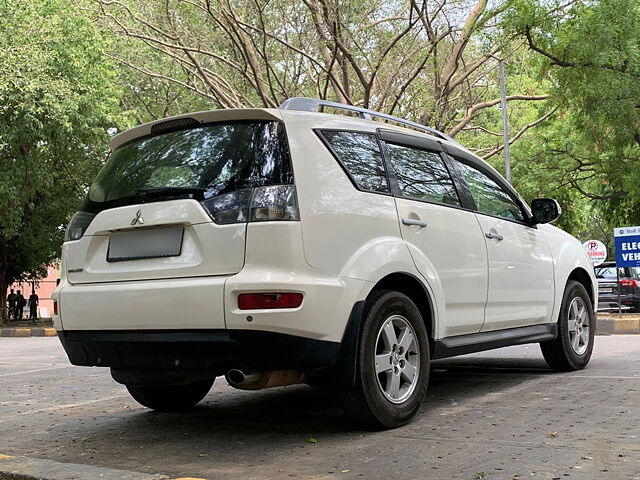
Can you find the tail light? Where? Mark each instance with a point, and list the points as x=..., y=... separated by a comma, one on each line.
x=259, y=301
x=55, y=307
x=78, y=225
x=261, y=204
x=631, y=282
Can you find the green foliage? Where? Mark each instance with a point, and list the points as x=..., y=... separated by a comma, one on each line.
x=590, y=53
x=57, y=99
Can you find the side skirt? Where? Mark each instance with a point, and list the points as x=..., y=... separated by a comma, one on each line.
x=478, y=342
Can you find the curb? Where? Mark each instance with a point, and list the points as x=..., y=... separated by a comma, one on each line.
x=605, y=326
x=24, y=468
x=28, y=332
x=612, y=326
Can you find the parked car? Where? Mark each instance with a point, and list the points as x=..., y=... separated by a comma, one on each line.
x=280, y=246
x=627, y=279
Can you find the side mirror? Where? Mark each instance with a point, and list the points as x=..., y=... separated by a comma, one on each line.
x=545, y=210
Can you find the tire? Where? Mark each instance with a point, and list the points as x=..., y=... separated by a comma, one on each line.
x=170, y=398
x=390, y=398
x=566, y=353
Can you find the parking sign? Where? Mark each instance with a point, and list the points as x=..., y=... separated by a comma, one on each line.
x=627, y=246
x=596, y=250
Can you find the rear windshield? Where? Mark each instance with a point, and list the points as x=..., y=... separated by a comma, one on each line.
x=216, y=158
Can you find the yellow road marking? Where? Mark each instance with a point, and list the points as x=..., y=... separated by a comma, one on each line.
x=2, y=457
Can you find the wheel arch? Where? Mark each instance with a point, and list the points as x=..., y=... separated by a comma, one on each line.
x=413, y=288
x=580, y=275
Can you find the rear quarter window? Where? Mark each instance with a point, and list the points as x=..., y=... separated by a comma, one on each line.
x=359, y=154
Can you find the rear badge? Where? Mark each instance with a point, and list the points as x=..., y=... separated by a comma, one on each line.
x=75, y=270
x=138, y=220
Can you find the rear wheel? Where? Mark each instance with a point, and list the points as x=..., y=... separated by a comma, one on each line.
x=170, y=398
x=572, y=349
x=392, y=368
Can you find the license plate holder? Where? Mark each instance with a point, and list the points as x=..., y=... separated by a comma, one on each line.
x=142, y=244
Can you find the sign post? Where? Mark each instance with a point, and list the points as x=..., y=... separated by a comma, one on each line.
x=627, y=250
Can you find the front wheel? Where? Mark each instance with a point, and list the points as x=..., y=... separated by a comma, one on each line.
x=170, y=398
x=572, y=349
x=392, y=368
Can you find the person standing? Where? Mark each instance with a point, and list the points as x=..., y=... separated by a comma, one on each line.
x=20, y=303
x=12, y=299
x=33, y=306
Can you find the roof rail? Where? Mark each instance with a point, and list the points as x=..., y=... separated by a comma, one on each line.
x=305, y=104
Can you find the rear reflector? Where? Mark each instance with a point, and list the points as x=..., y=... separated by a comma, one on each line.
x=258, y=301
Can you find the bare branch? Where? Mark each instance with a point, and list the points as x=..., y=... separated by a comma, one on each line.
x=473, y=109
x=520, y=133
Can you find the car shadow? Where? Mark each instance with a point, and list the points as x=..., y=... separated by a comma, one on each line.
x=228, y=412
x=266, y=425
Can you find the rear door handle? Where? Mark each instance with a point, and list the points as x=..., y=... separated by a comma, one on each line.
x=412, y=222
x=492, y=235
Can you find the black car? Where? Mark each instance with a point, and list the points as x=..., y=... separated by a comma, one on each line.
x=627, y=280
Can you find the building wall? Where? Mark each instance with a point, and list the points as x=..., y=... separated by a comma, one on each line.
x=44, y=288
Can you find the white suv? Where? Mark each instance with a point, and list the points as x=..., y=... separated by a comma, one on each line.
x=282, y=246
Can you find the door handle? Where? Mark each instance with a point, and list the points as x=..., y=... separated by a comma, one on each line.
x=412, y=222
x=495, y=236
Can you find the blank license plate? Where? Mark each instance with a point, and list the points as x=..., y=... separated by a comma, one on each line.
x=145, y=243
x=605, y=290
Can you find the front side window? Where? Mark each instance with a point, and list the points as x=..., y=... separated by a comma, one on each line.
x=490, y=198
x=360, y=155
x=422, y=175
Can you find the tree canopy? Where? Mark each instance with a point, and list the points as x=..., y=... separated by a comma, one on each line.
x=58, y=96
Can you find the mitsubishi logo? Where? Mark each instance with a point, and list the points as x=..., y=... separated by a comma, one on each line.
x=138, y=220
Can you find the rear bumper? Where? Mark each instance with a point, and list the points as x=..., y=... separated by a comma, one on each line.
x=214, y=351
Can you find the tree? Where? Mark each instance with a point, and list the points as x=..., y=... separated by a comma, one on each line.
x=57, y=99
x=431, y=61
x=590, y=52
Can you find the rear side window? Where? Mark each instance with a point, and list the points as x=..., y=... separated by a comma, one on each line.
x=215, y=158
x=490, y=198
x=422, y=175
x=360, y=155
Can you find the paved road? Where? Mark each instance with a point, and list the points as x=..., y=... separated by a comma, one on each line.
x=500, y=413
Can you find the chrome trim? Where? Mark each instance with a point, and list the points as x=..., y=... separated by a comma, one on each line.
x=414, y=222
x=495, y=236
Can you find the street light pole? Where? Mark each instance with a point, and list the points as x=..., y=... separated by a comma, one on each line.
x=505, y=124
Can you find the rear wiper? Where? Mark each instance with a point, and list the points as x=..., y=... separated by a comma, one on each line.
x=171, y=190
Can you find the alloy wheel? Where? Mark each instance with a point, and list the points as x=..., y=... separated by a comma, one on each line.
x=397, y=360
x=579, y=325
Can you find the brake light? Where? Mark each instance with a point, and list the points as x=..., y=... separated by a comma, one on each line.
x=55, y=307
x=629, y=282
x=258, y=301
x=78, y=225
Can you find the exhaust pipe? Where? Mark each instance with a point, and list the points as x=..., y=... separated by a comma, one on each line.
x=260, y=380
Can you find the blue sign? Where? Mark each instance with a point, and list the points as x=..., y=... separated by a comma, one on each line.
x=627, y=246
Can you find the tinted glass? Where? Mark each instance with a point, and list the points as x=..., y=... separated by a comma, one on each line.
x=360, y=155
x=422, y=175
x=218, y=158
x=490, y=197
